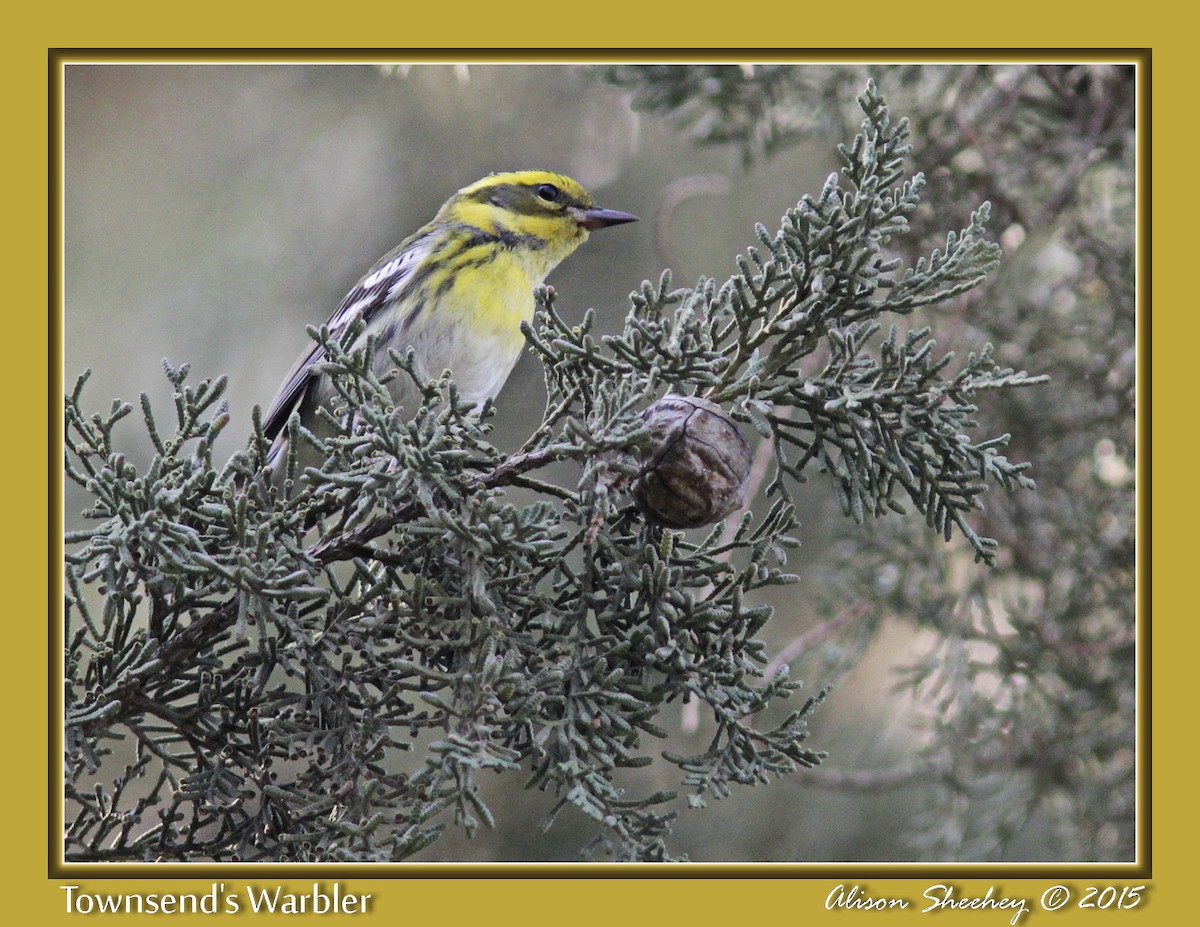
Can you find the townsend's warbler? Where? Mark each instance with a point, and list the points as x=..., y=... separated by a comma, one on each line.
x=455, y=291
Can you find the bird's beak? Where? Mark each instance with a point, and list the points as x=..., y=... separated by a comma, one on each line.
x=597, y=218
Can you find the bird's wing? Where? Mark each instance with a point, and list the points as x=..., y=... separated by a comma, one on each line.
x=386, y=281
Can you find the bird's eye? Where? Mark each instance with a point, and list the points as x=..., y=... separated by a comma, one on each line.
x=548, y=192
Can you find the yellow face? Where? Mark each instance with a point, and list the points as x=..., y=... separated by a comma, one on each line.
x=542, y=214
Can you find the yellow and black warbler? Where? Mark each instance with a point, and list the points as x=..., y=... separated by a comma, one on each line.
x=455, y=291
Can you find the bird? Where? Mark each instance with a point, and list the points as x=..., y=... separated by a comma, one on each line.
x=455, y=292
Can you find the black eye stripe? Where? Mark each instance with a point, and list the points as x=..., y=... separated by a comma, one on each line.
x=526, y=198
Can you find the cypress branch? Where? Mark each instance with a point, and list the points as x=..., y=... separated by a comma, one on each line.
x=275, y=677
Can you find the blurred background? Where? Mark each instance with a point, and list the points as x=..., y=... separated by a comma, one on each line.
x=213, y=211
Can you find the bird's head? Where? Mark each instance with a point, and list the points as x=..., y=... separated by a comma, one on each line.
x=539, y=210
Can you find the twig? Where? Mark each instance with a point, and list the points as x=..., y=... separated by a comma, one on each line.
x=810, y=637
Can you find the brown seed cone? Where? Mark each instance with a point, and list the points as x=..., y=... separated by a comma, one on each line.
x=695, y=470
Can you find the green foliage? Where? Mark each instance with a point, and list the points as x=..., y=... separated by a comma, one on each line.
x=1024, y=703
x=760, y=109
x=338, y=694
